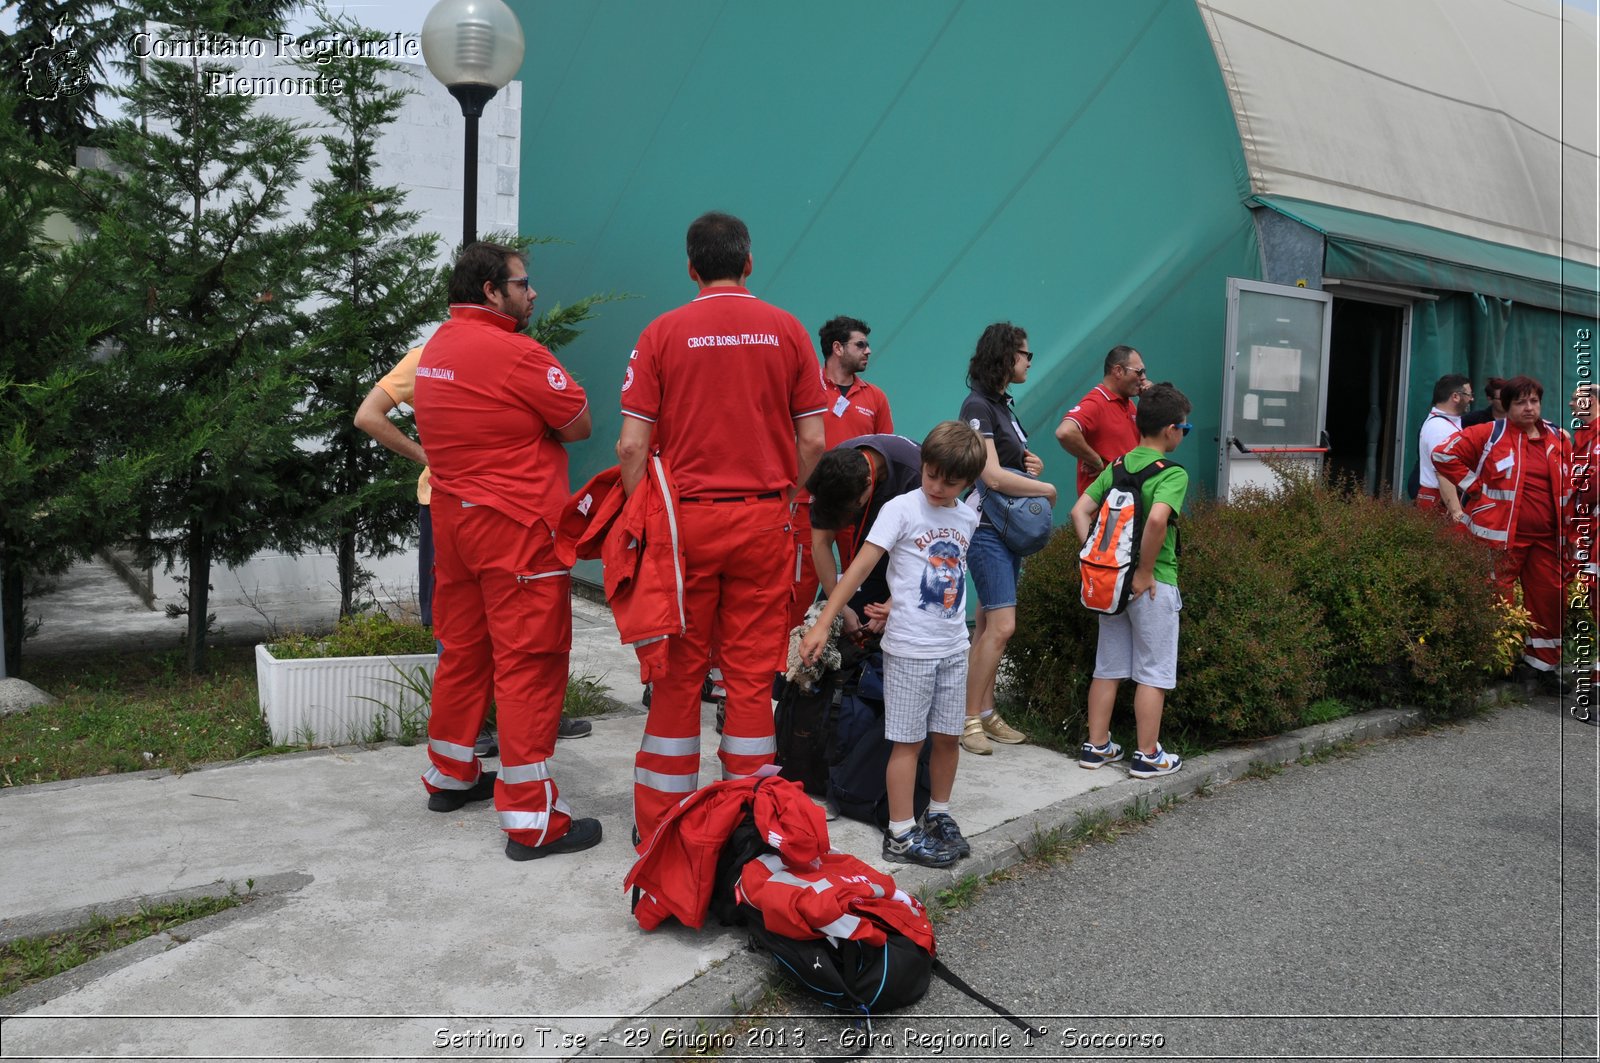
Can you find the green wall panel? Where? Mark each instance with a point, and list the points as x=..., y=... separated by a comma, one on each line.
x=927, y=166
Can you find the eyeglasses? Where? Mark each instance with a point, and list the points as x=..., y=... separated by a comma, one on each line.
x=1186, y=426
x=1028, y=355
x=522, y=280
x=1131, y=369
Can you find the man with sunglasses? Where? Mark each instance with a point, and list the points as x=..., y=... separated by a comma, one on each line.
x=1101, y=427
x=854, y=408
x=1452, y=397
x=493, y=409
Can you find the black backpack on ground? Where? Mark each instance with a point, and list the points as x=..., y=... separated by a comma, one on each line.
x=850, y=977
x=805, y=721
x=858, y=753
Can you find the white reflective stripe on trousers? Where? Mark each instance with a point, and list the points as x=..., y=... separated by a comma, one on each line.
x=511, y=774
x=750, y=747
x=667, y=784
x=671, y=747
x=454, y=752
x=539, y=821
x=434, y=777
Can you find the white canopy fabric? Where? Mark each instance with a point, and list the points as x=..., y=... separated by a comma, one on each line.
x=1477, y=117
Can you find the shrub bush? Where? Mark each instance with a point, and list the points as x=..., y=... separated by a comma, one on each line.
x=1314, y=591
x=364, y=635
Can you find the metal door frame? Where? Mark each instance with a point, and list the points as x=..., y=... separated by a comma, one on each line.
x=1227, y=435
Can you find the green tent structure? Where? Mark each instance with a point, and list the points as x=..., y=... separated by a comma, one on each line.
x=1300, y=212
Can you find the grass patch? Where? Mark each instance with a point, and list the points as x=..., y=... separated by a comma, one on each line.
x=1333, y=751
x=28, y=960
x=588, y=695
x=366, y=635
x=132, y=711
x=1326, y=710
x=1261, y=769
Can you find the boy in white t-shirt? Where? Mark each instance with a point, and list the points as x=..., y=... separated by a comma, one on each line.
x=925, y=533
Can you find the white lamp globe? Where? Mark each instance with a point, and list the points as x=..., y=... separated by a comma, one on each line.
x=472, y=42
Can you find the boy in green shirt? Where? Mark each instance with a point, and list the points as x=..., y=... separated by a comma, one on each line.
x=1141, y=642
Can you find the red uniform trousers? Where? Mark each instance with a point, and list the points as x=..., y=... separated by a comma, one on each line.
x=502, y=606
x=1538, y=568
x=804, y=572
x=738, y=569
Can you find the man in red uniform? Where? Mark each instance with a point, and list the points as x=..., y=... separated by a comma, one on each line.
x=1518, y=472
x=493, y=409
x=855, y=408
x=1100, y=428
x=727, y=389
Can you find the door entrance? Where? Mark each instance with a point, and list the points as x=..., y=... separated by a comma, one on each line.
x=1366, y=393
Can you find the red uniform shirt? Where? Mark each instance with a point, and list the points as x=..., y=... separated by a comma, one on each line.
x=487, y=400
x=1536, y=521
x=862, y=409
x=723, y=379
x=1108, y=426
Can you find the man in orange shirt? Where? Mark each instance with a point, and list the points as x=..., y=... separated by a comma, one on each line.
x=728, y=390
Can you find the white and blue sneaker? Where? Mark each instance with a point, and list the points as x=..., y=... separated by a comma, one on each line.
x=1146, y=766
x=1092, y=756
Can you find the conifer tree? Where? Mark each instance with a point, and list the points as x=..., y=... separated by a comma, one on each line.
x=373, y=288
x=196, y=252
x=63, y=492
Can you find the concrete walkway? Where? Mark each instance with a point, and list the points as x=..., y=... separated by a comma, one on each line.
x=374, y=924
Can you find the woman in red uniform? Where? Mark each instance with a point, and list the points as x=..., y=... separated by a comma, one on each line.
x=1517, y=470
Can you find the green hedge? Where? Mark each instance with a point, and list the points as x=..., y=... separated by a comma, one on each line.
x=1290, y=598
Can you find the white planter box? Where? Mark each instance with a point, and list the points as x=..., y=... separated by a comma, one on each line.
x=325, y=698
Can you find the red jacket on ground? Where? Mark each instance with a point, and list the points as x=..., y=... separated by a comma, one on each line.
x=678, y=868
x=837, y=896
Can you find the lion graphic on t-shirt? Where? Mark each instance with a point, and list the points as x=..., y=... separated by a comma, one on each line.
x=943, y=586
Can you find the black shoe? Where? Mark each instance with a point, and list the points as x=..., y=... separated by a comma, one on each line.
x=450, y=800
x=583, y=834
x=574, y=728
x=486, y=745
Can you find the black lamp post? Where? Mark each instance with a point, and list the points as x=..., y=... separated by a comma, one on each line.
x=474, y=48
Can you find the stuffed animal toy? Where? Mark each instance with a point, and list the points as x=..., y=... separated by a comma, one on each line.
x=807, y=675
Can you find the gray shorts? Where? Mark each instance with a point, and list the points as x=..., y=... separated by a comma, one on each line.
x=1141, y=642
x=922, y=696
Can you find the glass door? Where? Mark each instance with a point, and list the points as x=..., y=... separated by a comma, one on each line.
x=1275, y=381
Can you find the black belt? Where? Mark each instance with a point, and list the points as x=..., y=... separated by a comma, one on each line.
x=764, y=497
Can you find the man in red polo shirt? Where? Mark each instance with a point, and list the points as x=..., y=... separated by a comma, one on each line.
x=727, y=388
x=855, y=408
x=493, y=409
x=1101, y=428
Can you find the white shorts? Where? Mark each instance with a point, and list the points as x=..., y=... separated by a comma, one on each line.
x=923, y=695
x=1141, y=642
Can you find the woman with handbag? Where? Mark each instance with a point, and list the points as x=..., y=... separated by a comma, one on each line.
x=1001, y=359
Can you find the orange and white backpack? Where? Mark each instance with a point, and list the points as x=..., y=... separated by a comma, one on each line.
x=1109, y=558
